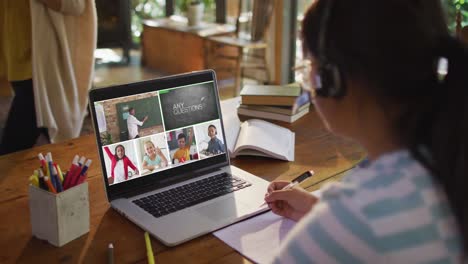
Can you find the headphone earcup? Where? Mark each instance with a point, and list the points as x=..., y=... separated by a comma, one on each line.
x=331, y=82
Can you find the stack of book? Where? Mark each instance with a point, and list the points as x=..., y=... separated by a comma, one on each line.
x=276, y=102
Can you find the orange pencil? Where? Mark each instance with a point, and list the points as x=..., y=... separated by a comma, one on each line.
x=49, y=184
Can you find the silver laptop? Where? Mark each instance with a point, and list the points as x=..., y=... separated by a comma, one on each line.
x=163, y=153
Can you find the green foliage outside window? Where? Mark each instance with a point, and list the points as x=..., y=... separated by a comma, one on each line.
x=145, y=9
x=148, y=9
x=451, y=8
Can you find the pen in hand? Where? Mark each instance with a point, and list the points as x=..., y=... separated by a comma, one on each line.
x=295, y=182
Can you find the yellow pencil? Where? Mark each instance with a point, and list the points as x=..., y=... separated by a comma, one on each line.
x=60, y=173
x=149, y=250
x=34, y=180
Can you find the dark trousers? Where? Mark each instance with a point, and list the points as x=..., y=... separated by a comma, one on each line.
x=21, y=131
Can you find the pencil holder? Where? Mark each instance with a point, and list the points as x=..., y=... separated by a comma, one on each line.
x=59, y=218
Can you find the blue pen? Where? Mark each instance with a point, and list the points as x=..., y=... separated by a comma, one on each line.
x=81, y=161
x=86, y=166
x=51, y=165
x=59, y=187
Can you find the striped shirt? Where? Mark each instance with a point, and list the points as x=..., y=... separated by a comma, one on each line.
x=390, y=212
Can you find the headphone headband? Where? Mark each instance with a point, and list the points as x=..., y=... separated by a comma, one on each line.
x=323, y=31
x=330, y=84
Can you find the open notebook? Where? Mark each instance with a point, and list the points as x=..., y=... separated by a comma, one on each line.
x=256, y=137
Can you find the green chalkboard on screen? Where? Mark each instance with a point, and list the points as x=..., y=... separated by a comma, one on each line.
x=143, y=107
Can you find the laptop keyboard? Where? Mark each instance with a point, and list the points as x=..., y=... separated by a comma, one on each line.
x=176, y=199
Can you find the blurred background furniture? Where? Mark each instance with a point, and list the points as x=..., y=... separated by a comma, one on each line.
x=169, y=45
x=246, y=49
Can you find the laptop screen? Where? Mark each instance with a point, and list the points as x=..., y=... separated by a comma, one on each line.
x=154, y=131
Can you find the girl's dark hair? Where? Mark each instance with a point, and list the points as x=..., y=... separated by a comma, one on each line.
x=394, y=47
x=115, y=152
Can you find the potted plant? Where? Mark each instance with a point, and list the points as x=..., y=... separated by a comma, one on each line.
x=195, y=10
x=106, y=138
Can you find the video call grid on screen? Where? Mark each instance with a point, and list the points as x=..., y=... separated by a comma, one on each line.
x=167, y=114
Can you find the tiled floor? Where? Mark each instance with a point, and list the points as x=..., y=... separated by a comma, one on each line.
x=111, y=74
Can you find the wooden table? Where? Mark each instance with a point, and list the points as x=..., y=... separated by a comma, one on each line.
x=316, y=149
x=170, y=46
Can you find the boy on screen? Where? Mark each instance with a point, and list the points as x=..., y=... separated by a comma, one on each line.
x=183, y=153
x=215, y=146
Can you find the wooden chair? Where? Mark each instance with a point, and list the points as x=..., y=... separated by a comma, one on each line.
x=243, y=50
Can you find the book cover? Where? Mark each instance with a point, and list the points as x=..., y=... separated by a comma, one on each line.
x=272, y=116
x=270, y=94
x=285, y=110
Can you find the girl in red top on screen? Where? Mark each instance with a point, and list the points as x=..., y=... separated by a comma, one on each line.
x=119, y=165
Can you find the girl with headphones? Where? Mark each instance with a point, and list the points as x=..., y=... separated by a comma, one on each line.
x=389, y=75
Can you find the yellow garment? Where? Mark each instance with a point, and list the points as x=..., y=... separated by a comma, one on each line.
x=15, y=40
x=182, y=152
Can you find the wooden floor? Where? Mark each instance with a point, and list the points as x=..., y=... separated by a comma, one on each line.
x=109, y=73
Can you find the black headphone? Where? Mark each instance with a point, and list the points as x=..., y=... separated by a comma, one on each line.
x=330, y=82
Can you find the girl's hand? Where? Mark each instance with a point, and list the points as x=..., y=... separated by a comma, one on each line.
x=158, y=151
x=137, y=172
x=292, y=203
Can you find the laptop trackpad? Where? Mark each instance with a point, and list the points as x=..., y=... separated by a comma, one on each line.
x=223, y=209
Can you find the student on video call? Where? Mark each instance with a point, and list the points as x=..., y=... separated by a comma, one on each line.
x=183, y=152
x=133, y=123
x=383, y=84
x=119, y=164
x=215, y=146
x=154, y=157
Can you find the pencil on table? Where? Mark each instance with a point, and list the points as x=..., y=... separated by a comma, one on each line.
x=110, y=254
x=149, y=250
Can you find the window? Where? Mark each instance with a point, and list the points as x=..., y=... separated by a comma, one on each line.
x=302, y=6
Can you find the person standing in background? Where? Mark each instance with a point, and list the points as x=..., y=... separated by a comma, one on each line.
x=46, y=53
